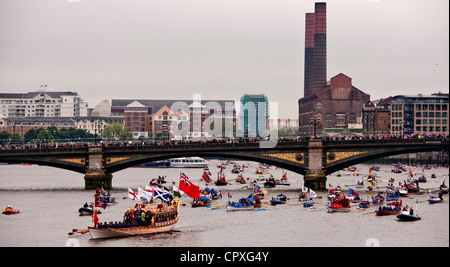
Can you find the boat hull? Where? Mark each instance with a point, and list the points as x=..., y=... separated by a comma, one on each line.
x=386, y=212
x=10, y=212
x=338, y=209
x=98, y=233
x=231, y=208
x=407, y=217
x=434, y=201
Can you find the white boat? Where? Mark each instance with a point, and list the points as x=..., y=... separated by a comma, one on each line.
x=188, y=162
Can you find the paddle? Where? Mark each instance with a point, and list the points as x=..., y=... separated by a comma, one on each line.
x=369, y=213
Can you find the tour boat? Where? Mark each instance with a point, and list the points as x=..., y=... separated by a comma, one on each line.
x=188, y=162
x=163, y=219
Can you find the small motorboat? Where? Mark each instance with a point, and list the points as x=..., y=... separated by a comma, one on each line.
x=407, y=217
x=281, y=199
x=9, y=211
x=422, y=179
x=269, y=184
x=434, y=200
x=87, y=210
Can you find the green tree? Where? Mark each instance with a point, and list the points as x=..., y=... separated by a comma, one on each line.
x=4, y=135
x=115, y=131
x=30, y=135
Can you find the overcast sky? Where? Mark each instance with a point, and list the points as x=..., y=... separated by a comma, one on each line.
x=171, y=49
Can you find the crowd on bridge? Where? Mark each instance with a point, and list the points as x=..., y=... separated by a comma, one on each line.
x=60, y=143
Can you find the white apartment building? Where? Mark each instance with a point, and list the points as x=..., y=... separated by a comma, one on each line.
x=42, y=104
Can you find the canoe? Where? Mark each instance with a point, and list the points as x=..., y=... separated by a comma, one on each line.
x=308, y=204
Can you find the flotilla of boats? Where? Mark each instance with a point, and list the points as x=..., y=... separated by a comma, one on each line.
x=152, y=218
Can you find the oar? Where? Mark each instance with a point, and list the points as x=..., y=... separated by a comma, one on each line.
x=369, y=213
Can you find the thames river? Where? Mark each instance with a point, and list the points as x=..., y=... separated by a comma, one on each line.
x=49, y=198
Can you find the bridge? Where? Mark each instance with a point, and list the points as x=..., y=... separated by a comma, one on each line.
x=314, y=159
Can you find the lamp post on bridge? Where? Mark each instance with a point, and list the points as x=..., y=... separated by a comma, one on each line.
x=315, y=121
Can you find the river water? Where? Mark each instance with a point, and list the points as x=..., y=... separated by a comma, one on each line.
x=49, y=198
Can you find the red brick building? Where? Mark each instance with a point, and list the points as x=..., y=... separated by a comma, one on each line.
x=336, y=103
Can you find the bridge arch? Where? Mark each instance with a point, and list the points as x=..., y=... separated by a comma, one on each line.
x=339, y=165
x=239, y=156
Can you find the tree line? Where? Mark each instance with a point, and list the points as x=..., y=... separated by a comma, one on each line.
x=51, y=133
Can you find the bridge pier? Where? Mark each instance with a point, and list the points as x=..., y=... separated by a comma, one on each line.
x=95, y=175
x=315, y=177
x=94, y=180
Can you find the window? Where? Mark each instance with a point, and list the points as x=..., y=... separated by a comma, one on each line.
x=329, y=117
x=352, y=117
x=319, y=106
x=431, y=129
x=425, y=121
x=431, y=122
x=437, y=115
x=444, y=121
x=438, y=121
x=444, y=114
x=424, y=107
x=431, y=114
x=418, y=107
x=444, y=107
x=438, y=107
x=418, y=122
x=418, y=114
x=424, y=128
x=418, y=128
x=438, y=128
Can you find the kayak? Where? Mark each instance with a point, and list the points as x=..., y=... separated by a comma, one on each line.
x=10, y=212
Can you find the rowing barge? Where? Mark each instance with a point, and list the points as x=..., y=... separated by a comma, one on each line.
x=163, y=219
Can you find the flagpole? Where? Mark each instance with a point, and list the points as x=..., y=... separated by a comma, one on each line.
x=93, y=214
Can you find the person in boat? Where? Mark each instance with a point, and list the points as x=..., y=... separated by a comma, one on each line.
x=411, y=211
x=8, y=208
